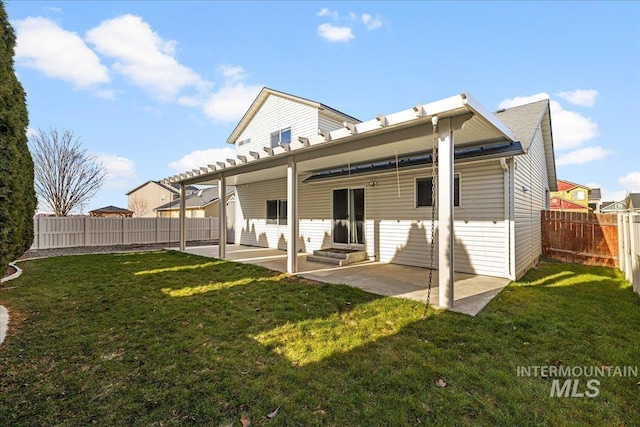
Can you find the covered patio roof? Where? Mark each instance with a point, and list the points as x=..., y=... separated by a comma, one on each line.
x=403, y=133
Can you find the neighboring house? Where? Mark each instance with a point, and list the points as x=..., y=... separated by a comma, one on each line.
x=613, y=207
x=143, y=199
x=309, y=177
x=200, y=204
x=111, y=212
x=571, y=197
x=633, y=202
x=595, y=199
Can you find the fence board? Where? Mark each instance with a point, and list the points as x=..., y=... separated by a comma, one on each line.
x=66, y=232
x=584, y=238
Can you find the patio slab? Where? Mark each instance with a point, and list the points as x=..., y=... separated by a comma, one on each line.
x=471, y=292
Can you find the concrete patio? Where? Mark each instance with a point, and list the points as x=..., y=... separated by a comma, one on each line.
x=471, y=292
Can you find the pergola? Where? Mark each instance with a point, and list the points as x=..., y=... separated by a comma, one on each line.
x=461, y=125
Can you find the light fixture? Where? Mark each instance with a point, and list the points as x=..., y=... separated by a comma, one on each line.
x=372, y=183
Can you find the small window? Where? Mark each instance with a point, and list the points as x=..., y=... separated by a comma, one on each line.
x=423, y=191
x=277, y=212
x=578, y=195
x=244, y=142
x=281, y=136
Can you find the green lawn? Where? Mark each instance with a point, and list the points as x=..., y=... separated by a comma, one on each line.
x=167, y=338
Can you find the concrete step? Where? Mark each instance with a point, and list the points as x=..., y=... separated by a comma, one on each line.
x=337, y=257
x=326, y=260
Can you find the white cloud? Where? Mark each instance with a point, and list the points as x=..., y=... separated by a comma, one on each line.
x=120, y=171
x=117, y=166
x=584, y=98
x=334, y=33
x=570, y=129
x=326, y=12
x=31, y=132
x=370, y=22
x=201, y=158
x=144, y=57
x=631, y=181
x=43, y=45
x=231, y=102
x=583, y=155
x=232, y=73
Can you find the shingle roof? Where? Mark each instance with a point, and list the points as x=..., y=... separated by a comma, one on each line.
x=595, y=194
x=197, y=199
x=524, y=120
x=111, y=209
x=635, y=200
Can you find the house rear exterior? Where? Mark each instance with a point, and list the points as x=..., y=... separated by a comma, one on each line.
x=381, y=202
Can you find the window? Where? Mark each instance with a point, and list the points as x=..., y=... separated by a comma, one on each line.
x=423, y=191
x=280, y=136
x=243, y=142
x=277, y=212
x=578, y=195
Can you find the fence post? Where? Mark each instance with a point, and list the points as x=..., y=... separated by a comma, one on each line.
x=123, y=231
x=38, y=235
x=157, y=229
x=86, y=232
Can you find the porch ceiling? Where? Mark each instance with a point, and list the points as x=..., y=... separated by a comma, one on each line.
x=407, y=132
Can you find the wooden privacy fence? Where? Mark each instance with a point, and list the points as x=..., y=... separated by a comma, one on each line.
x=629, y=247
x=65, y=232
x=584, y=238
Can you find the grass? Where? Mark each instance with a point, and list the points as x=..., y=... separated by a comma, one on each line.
x=167, y=338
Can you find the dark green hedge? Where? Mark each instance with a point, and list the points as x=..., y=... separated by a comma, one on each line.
x=17, y=195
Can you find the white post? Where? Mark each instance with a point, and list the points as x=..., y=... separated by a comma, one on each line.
x=182, y=214
x=445, y=213
x=292, y=216
x=222, y=218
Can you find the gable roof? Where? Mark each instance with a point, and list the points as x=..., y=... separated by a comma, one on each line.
x=174, y=188
x=613, y=207
x=112, y=209
x=171, y=188
x=564, y=185
x=557, y=203
x=634, y=200
x=524, y=121
x=197, y=200
x=262, y=97
x=595, y=194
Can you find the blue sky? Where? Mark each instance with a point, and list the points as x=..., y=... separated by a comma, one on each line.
x=155, y=88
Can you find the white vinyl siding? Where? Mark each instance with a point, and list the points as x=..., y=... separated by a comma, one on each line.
x=275, y=114
x=328, y=124
x=395, y=230
x=251, y=222
x=530, y=174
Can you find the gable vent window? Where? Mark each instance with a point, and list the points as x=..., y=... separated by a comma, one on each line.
x=281, y=136
x=423, y=191
x=244, y=142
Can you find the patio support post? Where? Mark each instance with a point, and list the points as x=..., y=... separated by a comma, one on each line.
x=292, y=216
x=445, y=213
x=222, y=217
x=183, y=221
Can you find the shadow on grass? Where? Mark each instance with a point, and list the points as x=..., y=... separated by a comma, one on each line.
x=202, y=346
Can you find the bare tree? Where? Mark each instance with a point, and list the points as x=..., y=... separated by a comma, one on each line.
x=139, y=206
x=65, y=174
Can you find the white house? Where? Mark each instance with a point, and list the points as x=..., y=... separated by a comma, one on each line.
x=309, y=177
